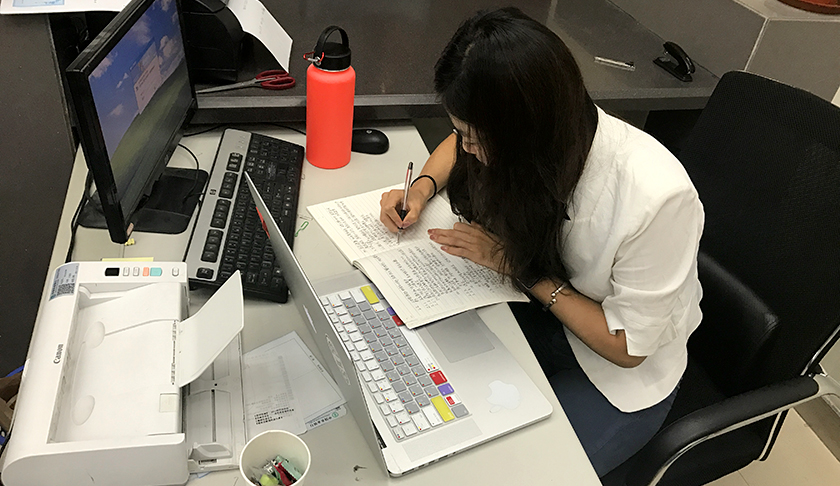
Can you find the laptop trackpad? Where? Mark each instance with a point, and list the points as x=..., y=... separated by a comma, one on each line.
x=427, y=445
x=460, y=336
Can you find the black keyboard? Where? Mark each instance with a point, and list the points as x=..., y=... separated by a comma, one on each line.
x=228, y=235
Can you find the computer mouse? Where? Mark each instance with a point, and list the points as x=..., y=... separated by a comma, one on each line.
x=369, y=141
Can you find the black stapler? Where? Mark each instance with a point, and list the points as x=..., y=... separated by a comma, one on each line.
x=676, y=62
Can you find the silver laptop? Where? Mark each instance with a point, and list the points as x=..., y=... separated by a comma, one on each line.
x=417, y=395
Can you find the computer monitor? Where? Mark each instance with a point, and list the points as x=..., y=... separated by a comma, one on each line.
x=131, y=93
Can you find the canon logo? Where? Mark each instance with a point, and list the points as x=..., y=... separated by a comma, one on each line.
x=58, y=354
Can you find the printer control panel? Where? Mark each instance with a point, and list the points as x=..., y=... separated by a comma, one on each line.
x=135, y=269
x=114, y=276
x=121, y=276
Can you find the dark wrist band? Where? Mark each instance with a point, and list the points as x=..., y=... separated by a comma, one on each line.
x=425, y=176
x=530, y=284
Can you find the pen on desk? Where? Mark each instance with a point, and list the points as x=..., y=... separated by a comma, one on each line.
x=627, y=66
x=404, y=207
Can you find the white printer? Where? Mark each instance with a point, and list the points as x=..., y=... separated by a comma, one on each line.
x=104, y=397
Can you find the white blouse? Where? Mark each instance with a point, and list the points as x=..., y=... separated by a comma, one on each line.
x=631, y=244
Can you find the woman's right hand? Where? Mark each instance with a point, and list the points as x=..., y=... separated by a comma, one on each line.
x=391, y=202
x=433, y=179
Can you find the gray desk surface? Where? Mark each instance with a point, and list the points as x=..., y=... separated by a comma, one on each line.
x=543, y=453
x=395, y=46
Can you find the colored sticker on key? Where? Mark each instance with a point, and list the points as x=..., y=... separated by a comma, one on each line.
x=452, y=399
x=437, y=377
x=442, y=409
x=369, y=295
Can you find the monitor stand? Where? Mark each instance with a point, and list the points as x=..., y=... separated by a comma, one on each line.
x=168, y=209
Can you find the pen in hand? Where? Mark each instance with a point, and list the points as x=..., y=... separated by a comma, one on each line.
x=404, y=207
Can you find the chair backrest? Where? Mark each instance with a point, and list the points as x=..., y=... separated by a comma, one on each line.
x=765, y=159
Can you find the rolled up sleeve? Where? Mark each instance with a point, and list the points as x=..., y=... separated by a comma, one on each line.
x=653, y=271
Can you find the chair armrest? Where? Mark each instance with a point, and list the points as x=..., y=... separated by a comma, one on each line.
x=737, y=328
x=679, y=437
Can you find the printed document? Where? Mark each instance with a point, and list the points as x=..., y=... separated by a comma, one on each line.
x=420, y=281
x=289, y=388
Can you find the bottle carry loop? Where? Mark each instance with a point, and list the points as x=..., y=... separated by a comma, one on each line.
x=319, y=46
x=314, y=60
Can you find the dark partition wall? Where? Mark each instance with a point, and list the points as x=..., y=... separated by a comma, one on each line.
x=36, y=157
x=395, y=45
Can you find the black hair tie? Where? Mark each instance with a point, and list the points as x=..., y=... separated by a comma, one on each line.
x=426, y=176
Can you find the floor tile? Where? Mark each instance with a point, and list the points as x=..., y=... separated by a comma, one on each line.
x=824, y=421
x=734, y=479
x=798, y=457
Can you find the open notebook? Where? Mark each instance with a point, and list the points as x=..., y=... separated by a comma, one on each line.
x=422, y=282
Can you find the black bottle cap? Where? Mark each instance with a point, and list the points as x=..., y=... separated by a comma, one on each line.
x=332, y=56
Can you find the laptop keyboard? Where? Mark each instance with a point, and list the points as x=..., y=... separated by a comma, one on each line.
x=411, y=391
x=229, y=234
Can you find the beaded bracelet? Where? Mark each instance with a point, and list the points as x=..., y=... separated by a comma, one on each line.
x=426, y=176
x=554, y=296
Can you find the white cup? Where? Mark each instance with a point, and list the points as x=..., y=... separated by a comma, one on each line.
x=270, y=444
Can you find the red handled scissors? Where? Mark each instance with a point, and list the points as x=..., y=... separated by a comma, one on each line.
x=272, y=79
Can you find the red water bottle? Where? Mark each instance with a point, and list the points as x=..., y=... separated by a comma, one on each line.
x=330, y=88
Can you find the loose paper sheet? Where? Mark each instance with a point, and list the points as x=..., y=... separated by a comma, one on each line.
x=258, y=21
x=273, y=405
x=293, y=391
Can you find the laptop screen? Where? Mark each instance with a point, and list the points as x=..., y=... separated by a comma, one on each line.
x=309, y=306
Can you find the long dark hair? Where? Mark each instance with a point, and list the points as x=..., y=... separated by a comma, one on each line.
x=517, y=86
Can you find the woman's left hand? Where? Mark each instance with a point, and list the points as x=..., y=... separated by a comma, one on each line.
x=470, y=241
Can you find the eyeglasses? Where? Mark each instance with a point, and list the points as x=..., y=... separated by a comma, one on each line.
x=464, y=140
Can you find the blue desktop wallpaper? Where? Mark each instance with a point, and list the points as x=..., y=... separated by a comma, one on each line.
x=125, y=81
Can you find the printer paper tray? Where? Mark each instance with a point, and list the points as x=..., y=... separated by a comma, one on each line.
x=214, y=415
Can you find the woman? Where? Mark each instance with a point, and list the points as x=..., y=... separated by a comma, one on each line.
x=591, y=217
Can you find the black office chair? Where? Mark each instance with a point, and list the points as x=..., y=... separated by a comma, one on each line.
x=765, y=158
